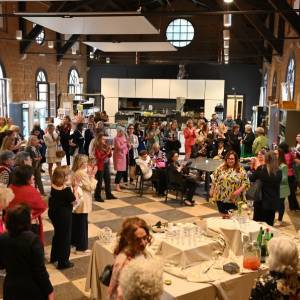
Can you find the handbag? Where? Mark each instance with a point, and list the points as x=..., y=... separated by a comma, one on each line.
x=255, y=191
x=105, y=277
x=60, y=153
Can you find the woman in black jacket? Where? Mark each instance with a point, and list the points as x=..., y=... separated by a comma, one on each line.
x=248, y=140
x=22, y=255
x=77, y=141
x=175, y=174
x=270, y=177
x=64, y=133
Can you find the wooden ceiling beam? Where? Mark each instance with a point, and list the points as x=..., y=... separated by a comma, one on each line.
x=62, y=50
x=287, y=13
x=260, y=27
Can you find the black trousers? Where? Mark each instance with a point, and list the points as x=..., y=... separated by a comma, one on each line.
x=281, y=209
x=293, y=203
x=61, y=242
x=263, y=215
x=68, y=156
x=159, y=180
x=120, y=175
x=100, y=175
x=189, y=186
x=79, y=237
x=224, y=207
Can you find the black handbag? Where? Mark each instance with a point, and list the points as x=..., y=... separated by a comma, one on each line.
x=255, y=191
x=106, y=275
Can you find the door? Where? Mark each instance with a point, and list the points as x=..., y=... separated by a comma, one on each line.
x=235, y=105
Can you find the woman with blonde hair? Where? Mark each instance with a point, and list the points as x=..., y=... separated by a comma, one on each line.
x=121, y=146
x=61, y=202
x=270, y=176
x=84, y=177
x=51, y=139
x=201, y=130
x=283, y=279
x=8, y=143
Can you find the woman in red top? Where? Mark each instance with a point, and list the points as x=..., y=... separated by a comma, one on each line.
x=102, y=153
x=25, y=192
x=190, y=138
x=289, y=158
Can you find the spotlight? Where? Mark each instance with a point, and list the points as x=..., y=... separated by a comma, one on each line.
x=226, y=51
x=92, y=55
x=107, y=60
x=50, y=44
x=226, y=34
x=227, y=19
x=228, y=1
x=226, y=44
x=19, y=35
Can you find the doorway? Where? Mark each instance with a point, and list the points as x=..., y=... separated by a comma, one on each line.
x=235, y=105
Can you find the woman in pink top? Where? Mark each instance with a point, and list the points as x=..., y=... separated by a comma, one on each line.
x=120, y=156
x=190, y=138
x=289, y=159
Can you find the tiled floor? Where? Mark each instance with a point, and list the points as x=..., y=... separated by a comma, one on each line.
x=70, y=283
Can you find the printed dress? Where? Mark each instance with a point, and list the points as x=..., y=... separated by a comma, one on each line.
x=227, y=181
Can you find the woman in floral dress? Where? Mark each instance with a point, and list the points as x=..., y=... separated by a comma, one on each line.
x=230, y=181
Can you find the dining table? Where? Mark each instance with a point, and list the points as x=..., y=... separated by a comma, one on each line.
x=206, y=165
x=193, y=263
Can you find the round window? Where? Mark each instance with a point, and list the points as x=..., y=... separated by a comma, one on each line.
x=180, y=32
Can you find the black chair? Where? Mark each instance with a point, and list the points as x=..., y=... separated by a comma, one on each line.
x=172, y=186
x=140, y=180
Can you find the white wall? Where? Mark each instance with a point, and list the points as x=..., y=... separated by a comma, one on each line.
x=212, y=91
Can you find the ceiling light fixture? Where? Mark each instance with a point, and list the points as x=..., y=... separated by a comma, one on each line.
x=19, y=35
x=226, y=58
x=228, y=1
x=226, y=51
x=226, y=44
x=50, y=44
x=227, y=18
x=107, y=60
x=73, y=50
x=226, y=34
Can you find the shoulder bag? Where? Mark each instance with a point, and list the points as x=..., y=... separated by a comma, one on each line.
x=105, y=276
x=255, y=191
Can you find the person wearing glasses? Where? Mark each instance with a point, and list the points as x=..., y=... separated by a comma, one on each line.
x=133, y=239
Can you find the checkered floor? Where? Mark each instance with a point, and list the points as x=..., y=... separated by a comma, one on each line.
x=70, y=283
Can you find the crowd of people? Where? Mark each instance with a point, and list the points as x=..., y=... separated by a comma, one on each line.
x=154, y=154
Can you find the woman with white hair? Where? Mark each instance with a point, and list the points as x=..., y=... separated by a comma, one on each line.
x=283, y=279
x=248, y=140
x=142, y=279
x=261, y=141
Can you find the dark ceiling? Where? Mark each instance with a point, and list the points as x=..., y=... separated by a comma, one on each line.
x=253, y=34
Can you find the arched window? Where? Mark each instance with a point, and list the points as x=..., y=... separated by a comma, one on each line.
x=180, y=32
x=265, y=86
x=74, y=86
x=290, y=78
x=41, y=37
x=42, y=94
x=3, y=93
x=274, y=86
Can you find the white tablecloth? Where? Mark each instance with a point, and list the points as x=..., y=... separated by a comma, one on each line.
x=235, y=287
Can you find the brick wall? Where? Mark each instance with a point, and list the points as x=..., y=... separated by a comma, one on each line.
x=23, y=71
x=279, y=65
